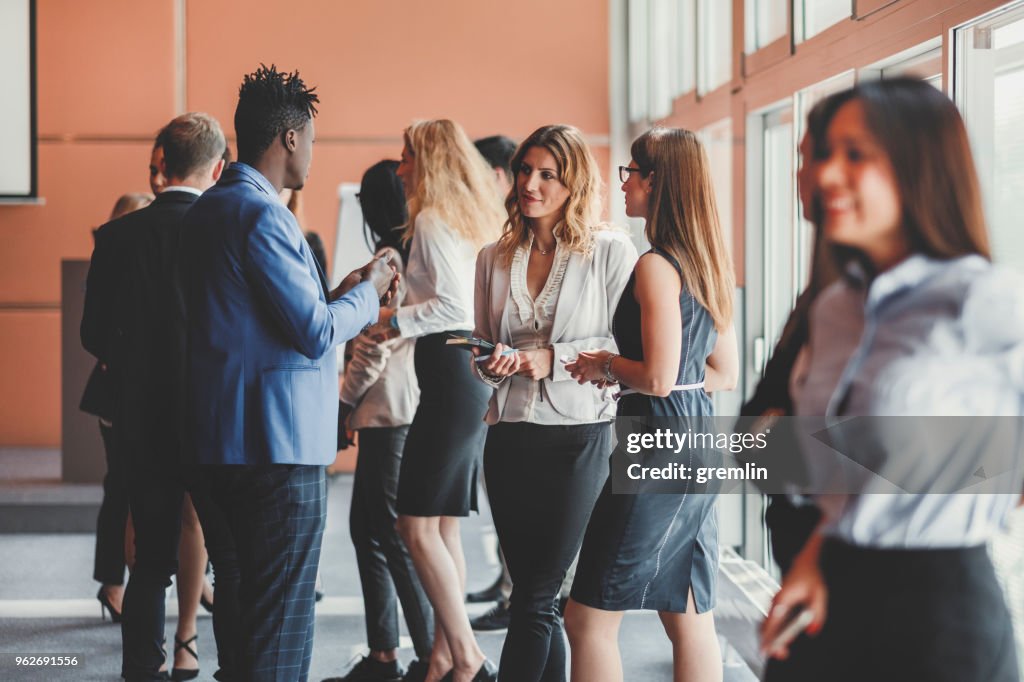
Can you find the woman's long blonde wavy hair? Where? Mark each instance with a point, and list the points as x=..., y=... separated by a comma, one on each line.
x=682, y=217
x=453, y=180
x=578, y=171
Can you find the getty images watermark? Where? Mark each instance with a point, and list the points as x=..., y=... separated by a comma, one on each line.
x=818, y=455
x=668, y=441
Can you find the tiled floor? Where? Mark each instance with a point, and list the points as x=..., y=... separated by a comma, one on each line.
x=47, y=606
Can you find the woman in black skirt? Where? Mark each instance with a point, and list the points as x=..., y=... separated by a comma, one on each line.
x=548, y=289
x=673, y=326
x=453, y=211
x=900, y=586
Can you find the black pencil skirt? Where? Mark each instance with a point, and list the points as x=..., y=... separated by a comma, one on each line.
x=899, y=615
x=442, y=454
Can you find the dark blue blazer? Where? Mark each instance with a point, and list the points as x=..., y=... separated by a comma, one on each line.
x=261, y=364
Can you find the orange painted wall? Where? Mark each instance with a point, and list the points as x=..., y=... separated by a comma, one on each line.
x=108, y=78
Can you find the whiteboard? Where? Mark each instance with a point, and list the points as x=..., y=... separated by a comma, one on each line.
x=350, y=249
x=17, y=163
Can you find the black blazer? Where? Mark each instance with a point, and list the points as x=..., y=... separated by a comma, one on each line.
x=98, y=330
x=134, y=322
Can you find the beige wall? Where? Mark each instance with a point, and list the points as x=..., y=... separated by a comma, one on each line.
x=111, y=72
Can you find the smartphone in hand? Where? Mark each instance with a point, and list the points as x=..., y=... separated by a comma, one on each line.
x=469, y=342
x=796, y=622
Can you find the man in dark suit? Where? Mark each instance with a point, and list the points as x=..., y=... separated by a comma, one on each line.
x=146, y=335
x=262, y=368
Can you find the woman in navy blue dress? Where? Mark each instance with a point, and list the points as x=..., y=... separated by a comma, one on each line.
x=673, y=327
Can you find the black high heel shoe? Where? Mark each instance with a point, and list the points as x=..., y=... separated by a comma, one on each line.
x=105, y=606
x=486, y=673
x=180, y=674
x=204, y=602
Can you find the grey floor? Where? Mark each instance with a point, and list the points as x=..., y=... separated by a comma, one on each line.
x=47, y=607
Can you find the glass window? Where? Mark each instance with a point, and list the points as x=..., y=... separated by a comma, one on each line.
x=988, y=86
x=717, y=140
x=926, y=66
x=771, y=284
x=766, y=22
x=687, y=46
x=781, y=243
x=772, y=240
x=637, y=56
x=714, y=44
x=811, y=17
x=663, y=68
x=922, y=61
x=661, y=54
x=989, y=89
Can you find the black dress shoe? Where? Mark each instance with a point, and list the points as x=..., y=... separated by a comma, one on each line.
x=371, y=670
x=495, y=620
x=417, y=671
x=492, y=593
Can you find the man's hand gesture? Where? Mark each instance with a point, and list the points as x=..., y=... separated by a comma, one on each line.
x=383, y=276
x=378, y=272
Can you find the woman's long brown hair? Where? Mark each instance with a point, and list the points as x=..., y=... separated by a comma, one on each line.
x=682, y=218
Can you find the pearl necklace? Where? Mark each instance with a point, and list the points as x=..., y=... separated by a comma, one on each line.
x=542, y=251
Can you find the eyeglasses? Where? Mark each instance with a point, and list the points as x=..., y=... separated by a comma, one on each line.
x=624, y=172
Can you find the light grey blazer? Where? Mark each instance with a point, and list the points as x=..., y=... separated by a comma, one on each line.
x=586, y=303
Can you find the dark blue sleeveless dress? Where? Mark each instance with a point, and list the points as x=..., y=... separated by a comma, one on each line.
x=646, y=551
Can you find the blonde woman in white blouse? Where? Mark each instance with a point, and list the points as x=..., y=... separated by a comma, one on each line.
x=453, y=211
x=547, y=289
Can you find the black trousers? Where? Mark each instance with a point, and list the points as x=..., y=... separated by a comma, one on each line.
x=899, y=615
x=220, y=546
x=156, y=493
x=276, y=514
x=542, y=482
x=386, y=571
x=108, y=568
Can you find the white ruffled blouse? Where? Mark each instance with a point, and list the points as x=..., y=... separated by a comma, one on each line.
x=530, y=322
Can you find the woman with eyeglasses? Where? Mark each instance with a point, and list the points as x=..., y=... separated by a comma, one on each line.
x=673, y=326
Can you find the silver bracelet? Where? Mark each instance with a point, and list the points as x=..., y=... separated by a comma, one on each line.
x=608, y=376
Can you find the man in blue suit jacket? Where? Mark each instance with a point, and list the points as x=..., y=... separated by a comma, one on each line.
x=262, y=369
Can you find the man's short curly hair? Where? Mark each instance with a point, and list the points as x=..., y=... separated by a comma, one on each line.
x=269, y=103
